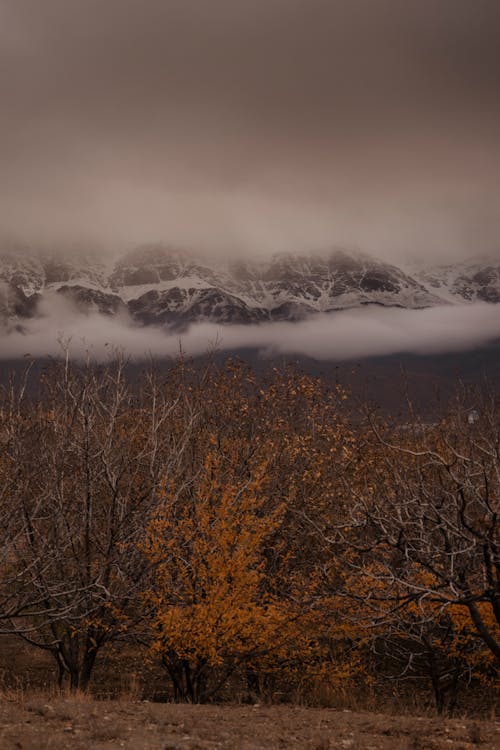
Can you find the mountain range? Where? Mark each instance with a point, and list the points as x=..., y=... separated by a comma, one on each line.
x=161, y=286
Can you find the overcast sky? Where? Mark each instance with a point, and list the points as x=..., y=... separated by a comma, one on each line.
x=249, y=126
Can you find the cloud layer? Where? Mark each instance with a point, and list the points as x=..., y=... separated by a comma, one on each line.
x=339, y=336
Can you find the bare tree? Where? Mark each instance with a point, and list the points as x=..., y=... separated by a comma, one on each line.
x=423, y=531
x=87, y=470
x=16, y=595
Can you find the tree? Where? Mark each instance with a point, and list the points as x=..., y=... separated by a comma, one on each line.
x=87, y=461
x=210, y=609
x=17, y=596
x=423, y=533
x=293, y=426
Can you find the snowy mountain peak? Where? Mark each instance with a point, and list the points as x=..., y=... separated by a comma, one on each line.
x=160, y=285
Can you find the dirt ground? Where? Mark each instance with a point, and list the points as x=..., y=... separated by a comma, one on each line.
x=82, y=723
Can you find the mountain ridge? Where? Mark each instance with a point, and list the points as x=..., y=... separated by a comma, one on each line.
x=163, y=286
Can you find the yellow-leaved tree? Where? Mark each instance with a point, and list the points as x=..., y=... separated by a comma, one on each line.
x=211, y=609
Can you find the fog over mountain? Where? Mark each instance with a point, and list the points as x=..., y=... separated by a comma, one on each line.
x=350, y=335
x=239, y=131
x=329, y=305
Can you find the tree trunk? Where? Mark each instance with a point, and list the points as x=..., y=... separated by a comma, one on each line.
x=78, y=669
x=86, y=668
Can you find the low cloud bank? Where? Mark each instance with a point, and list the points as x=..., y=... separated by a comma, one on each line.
x=344, y=335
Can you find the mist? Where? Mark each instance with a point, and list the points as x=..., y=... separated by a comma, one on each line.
x=339, y=336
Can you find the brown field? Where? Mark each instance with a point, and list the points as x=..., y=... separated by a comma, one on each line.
x=38, y=723
x=35, y=716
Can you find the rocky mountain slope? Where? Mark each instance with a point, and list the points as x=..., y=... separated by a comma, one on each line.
x=156, y=285
x=470, y=281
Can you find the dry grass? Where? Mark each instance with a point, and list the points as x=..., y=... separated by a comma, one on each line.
x=41, y=720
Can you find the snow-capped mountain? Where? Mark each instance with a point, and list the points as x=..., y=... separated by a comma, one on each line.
x=473, y=281
x=157, y=285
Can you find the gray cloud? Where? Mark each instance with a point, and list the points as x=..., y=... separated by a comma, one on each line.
x=345, y=335
x=248, y=126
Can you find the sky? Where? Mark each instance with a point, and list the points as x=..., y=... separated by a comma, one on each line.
x=245, y=127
